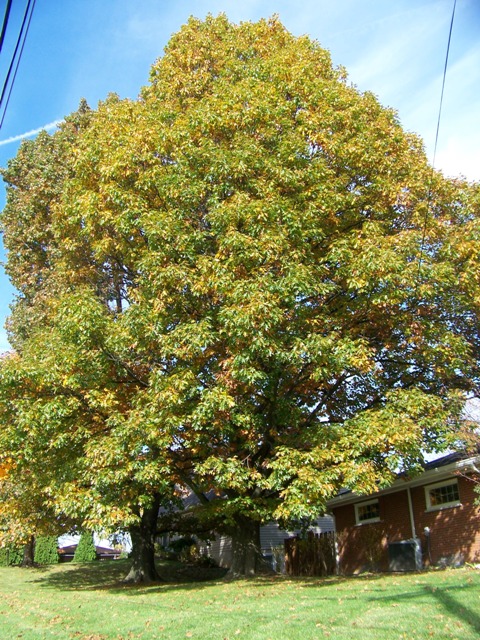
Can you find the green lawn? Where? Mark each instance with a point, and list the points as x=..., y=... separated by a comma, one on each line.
x=88, y=602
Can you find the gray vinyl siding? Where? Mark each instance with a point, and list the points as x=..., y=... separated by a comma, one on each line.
x=271, y=538
x=219, y=549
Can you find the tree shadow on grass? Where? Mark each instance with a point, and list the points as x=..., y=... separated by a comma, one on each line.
x=444, y=596
x=110, y=575
x=459, y=610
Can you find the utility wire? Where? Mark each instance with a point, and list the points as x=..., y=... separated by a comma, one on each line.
x=429, y=196
x=5, y=23
x=443, y=83
x=20, y=45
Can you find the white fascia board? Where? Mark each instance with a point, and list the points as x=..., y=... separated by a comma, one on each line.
x=437, y=474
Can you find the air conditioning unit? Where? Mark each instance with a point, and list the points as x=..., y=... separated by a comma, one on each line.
x=405, y=555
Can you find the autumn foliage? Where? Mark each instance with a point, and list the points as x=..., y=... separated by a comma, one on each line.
x=249, y=280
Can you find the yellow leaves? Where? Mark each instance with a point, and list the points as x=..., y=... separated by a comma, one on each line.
x=4, y=468
x=106, y=399
x=225, y=274
x=333, y=353
x=232, y=473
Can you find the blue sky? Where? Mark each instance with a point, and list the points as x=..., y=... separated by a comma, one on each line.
x=395, y=48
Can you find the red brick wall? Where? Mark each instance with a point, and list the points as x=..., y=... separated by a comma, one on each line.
x=454, y=531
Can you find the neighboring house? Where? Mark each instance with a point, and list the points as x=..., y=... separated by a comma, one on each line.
x=430, y=519
x=272, y=539
x=103, y=553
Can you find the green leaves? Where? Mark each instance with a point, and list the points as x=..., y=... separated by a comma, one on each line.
x=249, y=280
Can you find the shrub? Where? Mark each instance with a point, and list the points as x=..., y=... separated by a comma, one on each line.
x=85, y=551
x=178, y=545
x=46, y=550
x=187, y=551
x=11, y=556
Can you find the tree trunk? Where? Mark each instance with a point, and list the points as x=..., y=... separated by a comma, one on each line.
x=28, y=553
x=143, y=547
x=247, y=559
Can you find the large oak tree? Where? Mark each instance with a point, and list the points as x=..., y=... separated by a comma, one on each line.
x=248, y=280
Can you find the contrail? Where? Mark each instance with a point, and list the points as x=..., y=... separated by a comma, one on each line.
x=29, y=134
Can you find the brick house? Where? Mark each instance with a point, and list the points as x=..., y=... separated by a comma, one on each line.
x=431, y=519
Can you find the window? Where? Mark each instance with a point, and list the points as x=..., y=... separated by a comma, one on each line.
x=443, y=494
x=367, y=512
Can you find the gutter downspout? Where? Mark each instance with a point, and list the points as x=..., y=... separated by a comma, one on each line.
x=410, y=511
x=337, y=550
x=418, y=551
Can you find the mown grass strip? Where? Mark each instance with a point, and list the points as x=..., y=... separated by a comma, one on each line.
x=89, y=602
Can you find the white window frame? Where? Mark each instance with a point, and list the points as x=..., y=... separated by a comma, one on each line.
x=444, y=505
x=365, y=504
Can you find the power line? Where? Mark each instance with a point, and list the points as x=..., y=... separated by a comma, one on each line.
x=443, y=83
x=22, y=36
x=5, y=22
x=429, y=195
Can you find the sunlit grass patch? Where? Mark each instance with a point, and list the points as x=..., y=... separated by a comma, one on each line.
x=89, y=602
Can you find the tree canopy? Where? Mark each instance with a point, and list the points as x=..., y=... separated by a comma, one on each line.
x=249, y=280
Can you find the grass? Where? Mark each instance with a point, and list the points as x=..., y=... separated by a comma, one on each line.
x=88, y=602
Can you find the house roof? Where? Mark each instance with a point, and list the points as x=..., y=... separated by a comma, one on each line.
x=455, y=456
x=434, y=471
x=71, y=548
x=107, y=550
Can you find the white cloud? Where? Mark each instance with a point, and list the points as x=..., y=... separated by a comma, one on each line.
x=391, y=62
x=456, y=157
x=30, y=134
x=459, y=136
x=4, y=344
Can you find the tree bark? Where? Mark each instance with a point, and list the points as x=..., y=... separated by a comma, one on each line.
x=247, y=559
x=28, y=553
x=143, y=569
